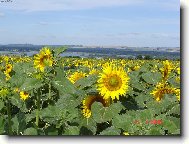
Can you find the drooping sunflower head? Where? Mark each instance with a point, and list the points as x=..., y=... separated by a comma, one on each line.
x=24, y=95
x=112, y=82
x=166, y=70
x=89, y=100
x=76, y=76
x=161, y=89
x=44, y=58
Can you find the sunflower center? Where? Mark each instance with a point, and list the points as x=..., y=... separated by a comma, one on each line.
x=114, y=83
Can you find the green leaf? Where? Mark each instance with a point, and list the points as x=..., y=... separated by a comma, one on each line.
x=102, y=114
x=86, y=81
x=112, y=111
x=143, y=99
x=155, y=131
x=64, y=86
x=68, y=101
x=30, y=131
x=17, y=80
x=50, y=114
x=144, y=115
x=59, y=50
x=122, y=121
x=152, y=78
x=174, y=110
x=59, y=73
x=170, y=126
x=111, y=131
x=31, y=116
x=2, y=124
x=1, y=104
x=19, y=123
x=98, y=112
x=51, y=131
x=72, y=130
x=2, y=80
x=31, y=83
x=15, y=100
x=87, y=126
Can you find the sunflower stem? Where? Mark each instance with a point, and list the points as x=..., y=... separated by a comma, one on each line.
x=49, y=89
x=38, y=109
x=9, y=117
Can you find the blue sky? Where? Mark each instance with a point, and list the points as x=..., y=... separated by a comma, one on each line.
x=154, y=23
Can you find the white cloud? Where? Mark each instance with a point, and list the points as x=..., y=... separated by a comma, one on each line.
x=58, y=5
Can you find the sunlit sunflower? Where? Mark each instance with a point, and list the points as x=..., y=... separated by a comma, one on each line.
x=161, y=89
x=125, y=133
x=112, y=82
x=6, y=59
x=44, y=58
x=24, y=95
x=76, y=76
x=93, y=71
x=166, y=70
x=178, y=70
x=89, y=100
x=177, y=92
x=8, y=69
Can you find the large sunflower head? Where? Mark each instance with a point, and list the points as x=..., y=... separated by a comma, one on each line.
x=112, y=82
x=44, y=58
x=89, y=100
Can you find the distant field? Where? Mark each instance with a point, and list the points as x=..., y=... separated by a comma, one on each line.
x=102, y=52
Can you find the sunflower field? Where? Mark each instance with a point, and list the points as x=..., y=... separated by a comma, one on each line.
x=52, y=95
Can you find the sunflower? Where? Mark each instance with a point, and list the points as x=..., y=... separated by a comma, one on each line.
x=93, y=71
x=44, y=58
x=177, y=92
x=161, y=89
x=166, y=70
x=24, y=95
x=112, y=82
x=8, y=69
x=89, y=100
x=125, y=133
x=76, y=76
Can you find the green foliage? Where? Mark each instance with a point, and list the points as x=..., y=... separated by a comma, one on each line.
x=30, y=131
x=54, y=105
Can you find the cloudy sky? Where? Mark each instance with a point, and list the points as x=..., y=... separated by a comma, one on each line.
x=91, y=22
